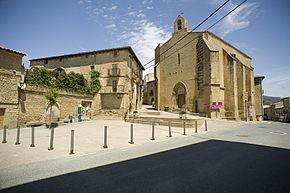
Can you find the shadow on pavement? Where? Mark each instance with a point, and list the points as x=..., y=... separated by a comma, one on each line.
x=211, y=166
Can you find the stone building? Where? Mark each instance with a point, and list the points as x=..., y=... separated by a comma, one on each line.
x=279, y=111
x=121, y=77
x=149, y=89
x=11, y=71
x=204, y=74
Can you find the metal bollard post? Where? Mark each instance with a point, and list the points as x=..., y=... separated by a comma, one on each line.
x=184, y=128
x=131, y=135
x=32, y=137
x=195, y=126
x=4, y=134
x=205, y=125
x=153, y=127
x=105, y=137
x=18, y=136
x=169, y=127
x=51, y=139
x=72, y=142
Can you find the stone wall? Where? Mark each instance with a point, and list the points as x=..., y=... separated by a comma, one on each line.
x=34, y=104
x=10, y=60
x=9, y=98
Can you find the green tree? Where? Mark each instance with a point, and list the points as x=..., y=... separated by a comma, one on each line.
x=51, y=96
x=95, y=84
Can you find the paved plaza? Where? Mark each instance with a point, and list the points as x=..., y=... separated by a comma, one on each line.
x=234, y=151
x=89, y=139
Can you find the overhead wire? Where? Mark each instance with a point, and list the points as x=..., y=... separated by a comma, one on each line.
x=190, y=31
x=205, y=30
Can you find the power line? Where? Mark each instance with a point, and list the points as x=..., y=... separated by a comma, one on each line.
x=205, y=30
x=191, y=30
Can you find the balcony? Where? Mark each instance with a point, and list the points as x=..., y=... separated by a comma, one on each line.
x=114, y=72
x=112, y=89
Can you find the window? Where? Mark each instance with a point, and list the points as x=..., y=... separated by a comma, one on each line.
x=151, y=93
x=179, y=25
x=45, y=61
x=114, y=69
x=178, y=58
x=92, y=67
x=114, y=85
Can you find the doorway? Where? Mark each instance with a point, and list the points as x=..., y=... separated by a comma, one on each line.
x=180, y=93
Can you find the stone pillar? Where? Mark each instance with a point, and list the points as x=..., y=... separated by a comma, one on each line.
x=245, y=94
x=253, y=95
x=235, y=82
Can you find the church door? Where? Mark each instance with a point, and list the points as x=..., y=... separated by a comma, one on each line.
x=180, y=100
x=180, y=94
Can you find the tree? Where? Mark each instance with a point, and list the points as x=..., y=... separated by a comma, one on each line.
x=51, y=96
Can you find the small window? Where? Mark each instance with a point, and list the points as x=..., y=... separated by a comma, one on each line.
x=151, y=93
x=178, y=58
x=114, y=65
x=45, y=61
x=92, y=67
x=179, y=24
x=60, y=59
x=114, y=85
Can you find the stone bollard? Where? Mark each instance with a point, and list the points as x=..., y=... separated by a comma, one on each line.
x=205, y=125
x=4, y=134
x=18, y=136
x=51, y=139
x=72, y=142
x=32, y=137
x=169, y=127
x=184, y=124
x=153, y=128
x=131, y=135
x=195, y=126
x=105, y=137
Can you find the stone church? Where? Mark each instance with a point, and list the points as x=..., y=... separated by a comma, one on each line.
x=204, y=74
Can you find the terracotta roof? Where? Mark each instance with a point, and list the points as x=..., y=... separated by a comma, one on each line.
x=94, y=51
x=10, y=50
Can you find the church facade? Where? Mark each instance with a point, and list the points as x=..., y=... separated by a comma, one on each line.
x=202, y=73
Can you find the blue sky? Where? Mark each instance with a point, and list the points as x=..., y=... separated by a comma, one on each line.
x=41, y=28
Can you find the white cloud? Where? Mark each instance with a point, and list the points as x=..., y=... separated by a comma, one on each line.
x=149, y=7
x=113, y=8
x=111, y=26
x=146, y=36
x=141, y=15
x=132, y=13
x=238, y=19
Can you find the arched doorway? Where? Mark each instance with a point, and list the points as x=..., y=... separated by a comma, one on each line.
x=180, y=93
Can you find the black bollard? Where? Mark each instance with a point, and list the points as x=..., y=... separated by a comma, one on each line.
x=131, y=135
x=195, y=126
x=205, y=125
x=153, y=128
x=72, y=142
x=169, y=127
x=184, y=128
x=4, y=134
x=51, y=139
x=32, y=137
x=105, y=137
x=18, y=136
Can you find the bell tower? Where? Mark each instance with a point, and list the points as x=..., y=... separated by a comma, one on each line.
x=180, y=24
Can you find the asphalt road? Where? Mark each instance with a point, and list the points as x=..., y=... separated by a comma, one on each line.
x=212, y=166
x=215, y=165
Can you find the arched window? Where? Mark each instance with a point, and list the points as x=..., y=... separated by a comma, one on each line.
x=179, y=24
